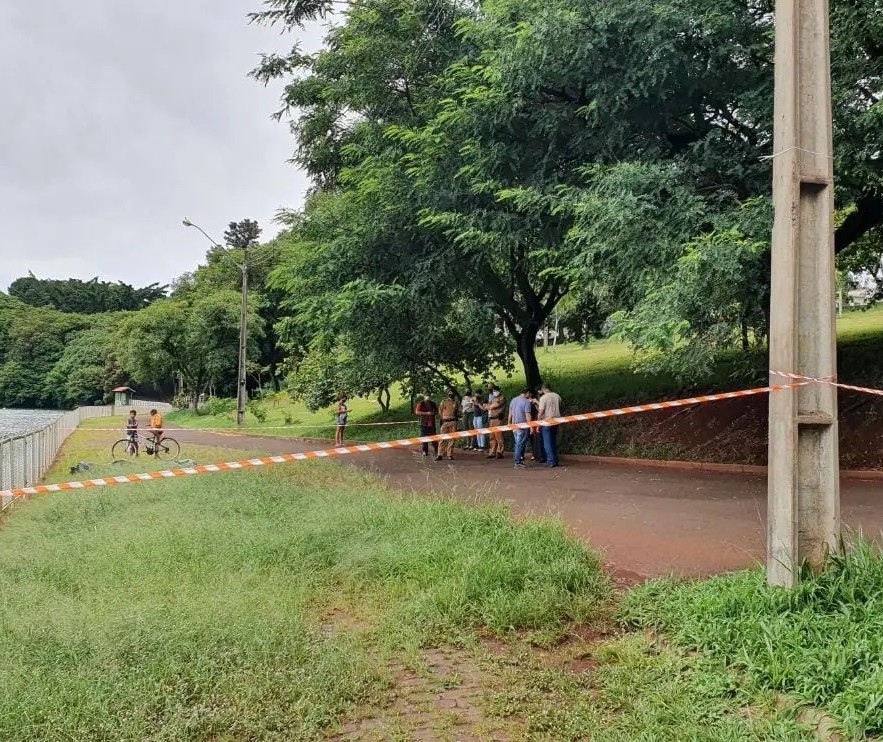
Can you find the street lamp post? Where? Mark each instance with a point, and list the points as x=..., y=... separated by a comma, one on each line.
x=241, y=381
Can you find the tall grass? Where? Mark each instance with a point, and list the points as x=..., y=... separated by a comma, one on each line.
x=822, y=642
x=193, y=608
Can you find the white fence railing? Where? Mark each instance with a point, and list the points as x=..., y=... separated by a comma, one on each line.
x=25, y=459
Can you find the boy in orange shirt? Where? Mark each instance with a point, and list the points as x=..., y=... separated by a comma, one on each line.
x=155, y=427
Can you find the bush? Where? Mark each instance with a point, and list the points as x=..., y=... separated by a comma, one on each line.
x=181, y=402
x=256, y=408
x=215, y=406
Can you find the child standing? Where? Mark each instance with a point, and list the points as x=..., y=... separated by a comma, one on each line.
x=340, y=419
x=132, y=429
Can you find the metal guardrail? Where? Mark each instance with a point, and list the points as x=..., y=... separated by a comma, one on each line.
x=25, y=459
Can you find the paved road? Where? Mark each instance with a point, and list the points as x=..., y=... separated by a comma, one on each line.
x=646, y=522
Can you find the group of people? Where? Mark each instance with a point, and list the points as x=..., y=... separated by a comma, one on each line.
x=154, y=428
x=477, y=411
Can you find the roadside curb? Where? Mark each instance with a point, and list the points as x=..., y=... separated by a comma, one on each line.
x=705, y=467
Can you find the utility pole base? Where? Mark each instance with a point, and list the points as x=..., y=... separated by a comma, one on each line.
x=804, y=495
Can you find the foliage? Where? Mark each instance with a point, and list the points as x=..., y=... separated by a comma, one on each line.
x=714, y=298
x=243, y=234
x=197, y=339
x=84, y=297
x=32, y=340
x=89, y=367
x=221, y=272
x=360, y=334
x=784, y=640
x=258, y=409
x=212, y=406
x=470, y=139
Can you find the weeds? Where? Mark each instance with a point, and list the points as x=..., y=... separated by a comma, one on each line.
x=821, y=642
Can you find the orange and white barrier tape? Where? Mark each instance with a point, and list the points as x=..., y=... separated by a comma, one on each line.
x=831, y=381
x=24, y=492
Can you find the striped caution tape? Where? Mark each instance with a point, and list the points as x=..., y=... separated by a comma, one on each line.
x=24, y=492
x=828, y=380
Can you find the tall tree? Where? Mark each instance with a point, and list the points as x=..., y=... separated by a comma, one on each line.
x=543, y=145
x=197, y=339
x=32, y=340
x=242, y=234
x=84, y=297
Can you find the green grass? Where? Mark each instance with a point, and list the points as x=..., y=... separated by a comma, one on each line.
x=92, y=442
x=199, y=608
x=191, y=606
x=821, y=642
x=639, y=689
x=597, y=376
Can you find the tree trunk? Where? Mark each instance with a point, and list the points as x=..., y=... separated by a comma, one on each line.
x=527, y=352
x=746, y=346
x=383, y=399
x=557, y=327
x=194, y=402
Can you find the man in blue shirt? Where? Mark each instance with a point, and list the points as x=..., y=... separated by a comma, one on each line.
x=521, y=411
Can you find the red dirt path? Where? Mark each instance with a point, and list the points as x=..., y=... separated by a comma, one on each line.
x=646, y=522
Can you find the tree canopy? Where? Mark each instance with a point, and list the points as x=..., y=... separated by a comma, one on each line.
x=84, y=297
x=523, y=150
x=480, y=169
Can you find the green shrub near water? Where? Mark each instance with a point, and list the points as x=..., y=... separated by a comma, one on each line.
x=821, y=642
x=192, y=608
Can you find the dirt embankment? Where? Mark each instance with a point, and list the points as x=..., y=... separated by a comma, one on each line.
x=732, y=432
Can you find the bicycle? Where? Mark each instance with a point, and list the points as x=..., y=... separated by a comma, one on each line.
x=128, y=448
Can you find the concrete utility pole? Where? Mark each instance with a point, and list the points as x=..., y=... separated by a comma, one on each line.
x=804, y=493
x=241, y=390
x=241, y=380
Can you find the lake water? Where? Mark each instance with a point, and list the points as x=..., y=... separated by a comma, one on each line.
x=22, y=422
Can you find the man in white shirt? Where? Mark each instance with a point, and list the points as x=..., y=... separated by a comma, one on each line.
x=550, y=408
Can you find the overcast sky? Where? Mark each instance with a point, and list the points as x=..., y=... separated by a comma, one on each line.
x=119, y=119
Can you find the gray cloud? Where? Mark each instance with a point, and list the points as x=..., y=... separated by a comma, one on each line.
x=119, y=119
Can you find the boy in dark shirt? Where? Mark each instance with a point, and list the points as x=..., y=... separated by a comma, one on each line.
x=132, y=429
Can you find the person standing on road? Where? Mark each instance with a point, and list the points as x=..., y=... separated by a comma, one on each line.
x=340, y=418
x=535, y=437
x=479, y=420
x=468, y=406
x=426, y=412
x=496, y=409
x=550, y=408
x=449, y=411
x=521, y=411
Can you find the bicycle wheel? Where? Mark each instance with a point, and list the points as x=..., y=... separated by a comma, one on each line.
x=167, y=449
x=123, y=449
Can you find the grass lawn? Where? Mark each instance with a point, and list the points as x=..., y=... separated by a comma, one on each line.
x=821, y=643
x=91, y=443
x=308, y=600
x=598, y=376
